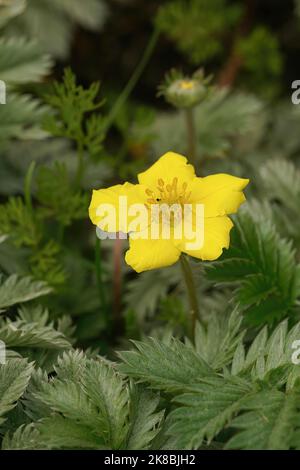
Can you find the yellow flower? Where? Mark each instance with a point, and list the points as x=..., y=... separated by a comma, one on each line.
x=171, y=183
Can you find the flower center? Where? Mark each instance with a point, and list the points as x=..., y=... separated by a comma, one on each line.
x=168, y=193
x=169, y=199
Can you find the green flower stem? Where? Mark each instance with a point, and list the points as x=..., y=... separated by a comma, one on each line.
x=28, y=186
x=61, y=234
x=133, y=80
x=99, y=272
x=191, y=135
x=191, y=292
x=80, y=164
x=117, y=284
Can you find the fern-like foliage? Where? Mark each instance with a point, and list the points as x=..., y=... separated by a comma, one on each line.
x=281, y=182
x=262, y=61
x=14, y=378
x=9, y=10
x=267, y=354
x=15, y=290
x=56, y=193
x=255, y=398
x=262, y=265
x=18, y=221
x=180, y=20
x=22, y=61
x=32, y=335
x=248, y=401
x=20, y=334
x=217, y=342
x=72, y=102
x=213, y=128
x=17, y=158
x=208, y=409
x=145, y=292
x=24, y=438
x=52, y=22
x=268, y=421
x=21, y=117
x=157, y=363
x=90, y=406
x=145, y=420
x=25, y=228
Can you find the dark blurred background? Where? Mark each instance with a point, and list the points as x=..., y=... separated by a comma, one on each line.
x=112, y=54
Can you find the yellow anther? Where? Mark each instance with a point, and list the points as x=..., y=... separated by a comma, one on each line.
x=187, y=84
x=168, y=193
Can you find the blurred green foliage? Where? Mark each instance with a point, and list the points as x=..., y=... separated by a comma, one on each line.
x=263, y=61
x=68, y=305
x=197, y=26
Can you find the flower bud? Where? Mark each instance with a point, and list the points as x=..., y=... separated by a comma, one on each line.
x=185, y=92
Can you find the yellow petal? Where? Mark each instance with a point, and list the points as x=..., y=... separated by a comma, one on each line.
x=216, y=237
x=120, y=198
x=171, y=165
x=147, y=254
x=221, y=194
